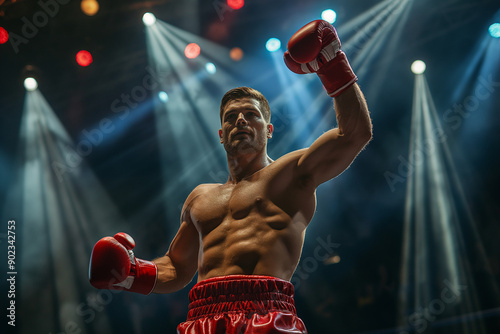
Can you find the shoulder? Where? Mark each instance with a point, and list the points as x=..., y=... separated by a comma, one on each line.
x=292, y=156
x=198, y=191
x=285, y=171
x=287, y=161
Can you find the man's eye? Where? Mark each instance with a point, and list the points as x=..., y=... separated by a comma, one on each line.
x=229, y=117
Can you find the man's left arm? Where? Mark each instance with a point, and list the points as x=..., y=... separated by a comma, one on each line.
x=315, y=48
x=336, y=149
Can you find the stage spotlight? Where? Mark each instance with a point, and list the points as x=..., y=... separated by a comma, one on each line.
x=89, y=7
x=210, y=67
x=163, y=96
x=149, y=19
x=54, y=188
x=235, y=4
x=273, y=44
x=4, y=36
x=30, y=84
x=329, y=15
x=494, y=30
x=418, y=67
x=84, y=58
x=192, y=50
x=236, y=54
x=440, y=236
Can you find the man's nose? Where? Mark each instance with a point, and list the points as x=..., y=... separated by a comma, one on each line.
x=241, y=119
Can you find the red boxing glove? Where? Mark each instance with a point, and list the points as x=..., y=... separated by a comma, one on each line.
x=315, y=48
x=114, y=266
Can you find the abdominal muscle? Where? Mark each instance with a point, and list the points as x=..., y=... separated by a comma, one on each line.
x=254, y=245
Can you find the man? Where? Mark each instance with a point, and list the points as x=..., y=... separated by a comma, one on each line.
x=245, y=237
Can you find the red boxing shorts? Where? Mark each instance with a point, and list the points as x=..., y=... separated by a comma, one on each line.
x=242, y=304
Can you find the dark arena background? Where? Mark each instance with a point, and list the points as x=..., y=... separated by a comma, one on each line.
x=404, y=241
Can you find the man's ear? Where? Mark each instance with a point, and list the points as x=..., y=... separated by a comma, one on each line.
x=270, y=129
x=220, y=135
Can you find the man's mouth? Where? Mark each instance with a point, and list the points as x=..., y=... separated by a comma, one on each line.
x=240, y=133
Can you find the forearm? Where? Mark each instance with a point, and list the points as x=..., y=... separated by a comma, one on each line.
x=353, y=117
x=171, y=277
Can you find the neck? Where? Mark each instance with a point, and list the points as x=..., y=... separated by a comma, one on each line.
x=242, y=166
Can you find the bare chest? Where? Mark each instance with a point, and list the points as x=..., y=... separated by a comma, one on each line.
x=230, y=203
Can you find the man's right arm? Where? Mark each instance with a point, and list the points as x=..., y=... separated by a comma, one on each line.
x=178, y=266
x=113, y=264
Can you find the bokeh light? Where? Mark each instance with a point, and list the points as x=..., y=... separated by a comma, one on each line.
x=4, y=36
x=89, y=7
x=149, y=19
x=192, y=50
x=494, y=30
x=163, y=96
x=84, y=58
x=329, y=15
x=210, y=67
x=418, y=67
x=273, y=44
x=236, y=54
x=30, y=84
x=235, y=4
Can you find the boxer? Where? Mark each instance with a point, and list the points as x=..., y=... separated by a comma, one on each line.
x=245, y=237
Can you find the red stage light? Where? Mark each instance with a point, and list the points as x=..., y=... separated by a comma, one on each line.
x=235, y=4
x=84, y=58
x=4, y=36
x=192, y=50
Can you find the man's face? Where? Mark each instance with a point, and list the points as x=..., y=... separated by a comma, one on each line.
x=244, y=129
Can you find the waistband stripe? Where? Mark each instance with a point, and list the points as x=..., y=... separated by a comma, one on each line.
x=240, y=293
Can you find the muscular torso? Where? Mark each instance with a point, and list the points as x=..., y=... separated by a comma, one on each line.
x=255, y=226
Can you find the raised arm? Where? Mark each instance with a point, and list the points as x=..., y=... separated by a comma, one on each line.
x=336, y=149
x=315, y=48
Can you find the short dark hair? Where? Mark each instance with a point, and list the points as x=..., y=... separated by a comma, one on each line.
x=240, y=92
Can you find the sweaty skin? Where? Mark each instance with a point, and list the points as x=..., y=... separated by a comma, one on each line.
x=255, y=226
x=255, y=223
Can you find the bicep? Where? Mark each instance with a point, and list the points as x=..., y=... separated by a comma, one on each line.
x=183, y=251
x=177, y=268
x=329, y=156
